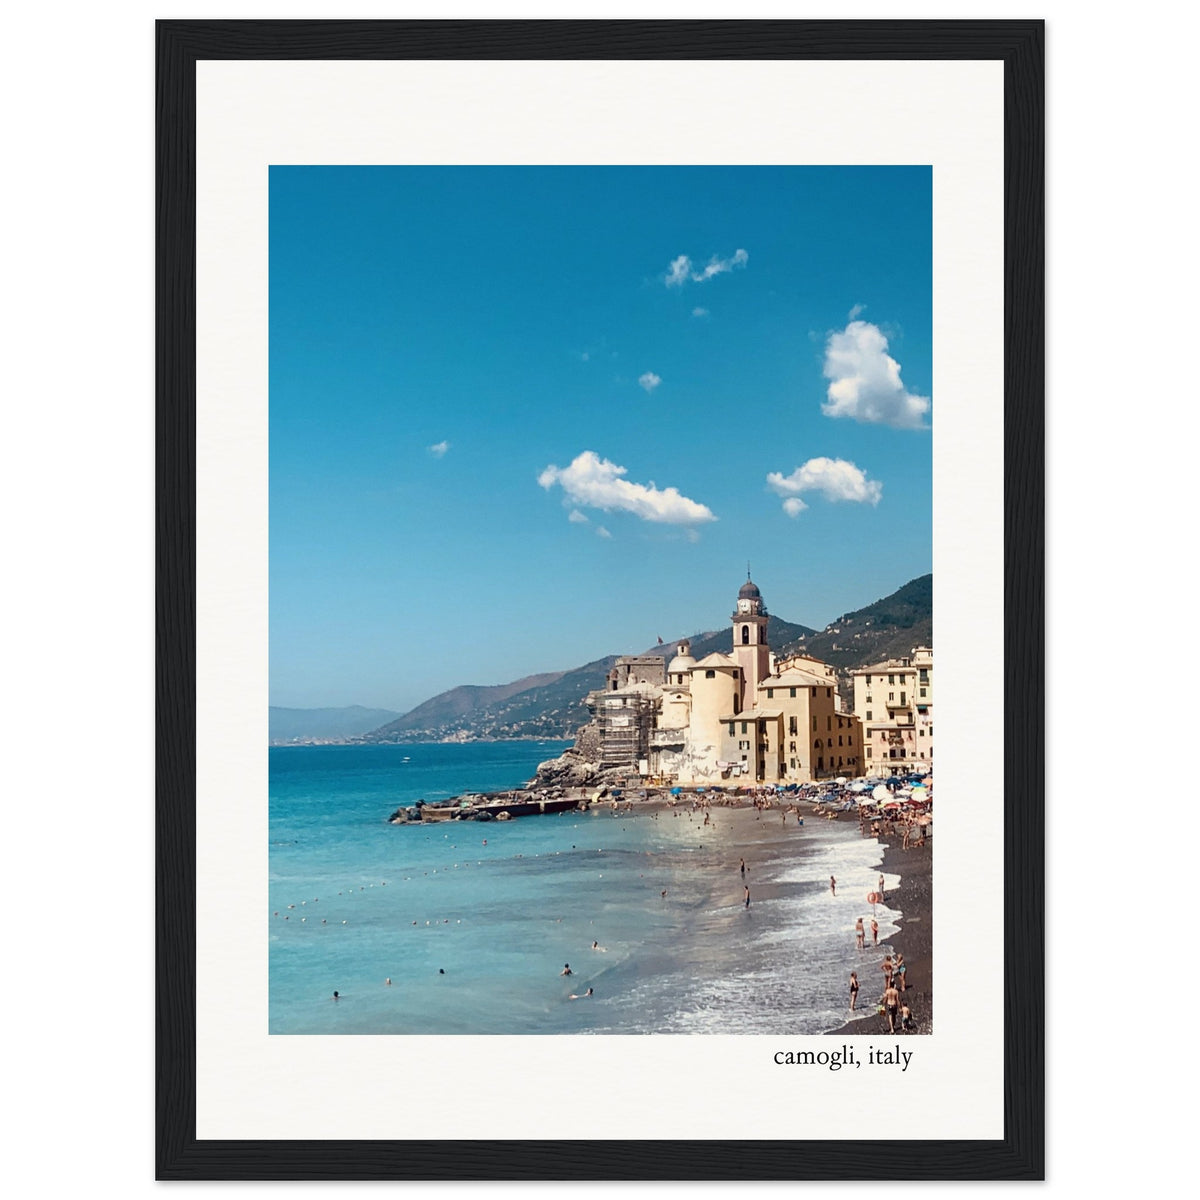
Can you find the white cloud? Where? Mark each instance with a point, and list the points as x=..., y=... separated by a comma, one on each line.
x=699, y=312
x=865, y=380
x=439, y=450
x=649, y=381
x=594, y=482
x=577, y=518
x=857, y=310
x=834, y=478
x=602, y=532
x=682, y=268
x=678, y=271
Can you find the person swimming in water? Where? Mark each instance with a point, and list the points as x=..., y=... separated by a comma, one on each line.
x=581, y=996
x=566, y=969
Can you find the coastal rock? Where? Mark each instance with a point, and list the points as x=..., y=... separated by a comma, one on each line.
x=577, y=766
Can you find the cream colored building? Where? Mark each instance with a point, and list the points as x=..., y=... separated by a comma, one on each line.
x=894, y=699
x=741, y=717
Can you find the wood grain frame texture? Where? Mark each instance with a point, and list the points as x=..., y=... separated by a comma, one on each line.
x=1020, y=1154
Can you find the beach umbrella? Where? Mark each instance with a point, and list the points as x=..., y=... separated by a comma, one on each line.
x=891, y=804
x=881, y=792
x=859, y=787
x=841, y=779
x=919, y=795
x=676, y=791
x=867, y=802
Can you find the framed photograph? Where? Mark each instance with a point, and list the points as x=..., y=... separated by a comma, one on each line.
x=494, y=358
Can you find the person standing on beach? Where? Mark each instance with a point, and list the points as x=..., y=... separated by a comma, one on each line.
x=743, y=868
x=886, y=968
x=832, y=886
x=901, y=972
x=874, y=932
x=891, y=1006
x=881, y=887
x=860, y=936
x=853, y=989
x=747, y=891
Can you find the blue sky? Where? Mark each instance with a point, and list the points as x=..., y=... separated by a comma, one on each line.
x=521, y=418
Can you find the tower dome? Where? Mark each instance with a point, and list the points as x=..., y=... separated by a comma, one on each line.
x=749, y=591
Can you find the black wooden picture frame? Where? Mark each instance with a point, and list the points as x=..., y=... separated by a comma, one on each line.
x=1018, y=44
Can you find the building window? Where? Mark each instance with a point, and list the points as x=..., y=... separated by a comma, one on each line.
x=868, y=714
x=924, y=675
x=922, y=733
x=814, y=691
x=814, y=724
x=868, y=735
x=793, y=762
x=743, y=726
x=731, y=729
x=792, y=693
x=868, y=751
x=710, y=674
x=891, y=695
x=792, y=747
x=828, y=723
x=922, y=691
x=903, y=697
x=770, y=693
x=868, y=681
x=839, y=739
x=791, y=724
x=745, y=635
x=891, y=679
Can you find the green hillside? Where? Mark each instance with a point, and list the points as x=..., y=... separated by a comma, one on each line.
x=552, y=705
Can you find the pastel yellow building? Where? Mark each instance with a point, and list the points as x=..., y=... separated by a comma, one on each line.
x=742, y=717
x=894, y=700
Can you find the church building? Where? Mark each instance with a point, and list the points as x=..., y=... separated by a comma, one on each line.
x=743, y=717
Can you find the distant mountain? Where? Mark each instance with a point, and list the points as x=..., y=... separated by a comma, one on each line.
x=552, y=705
x=779, y=633
x=889, y=628
x=538, y=706
x=323, y=724
x=458, y=707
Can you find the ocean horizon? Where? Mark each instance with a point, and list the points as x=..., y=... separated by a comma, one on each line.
x=474, y=923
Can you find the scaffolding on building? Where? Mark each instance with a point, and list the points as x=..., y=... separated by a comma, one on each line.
x=625, y=726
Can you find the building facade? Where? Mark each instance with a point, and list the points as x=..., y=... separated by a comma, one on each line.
x=742, y=717
x=894, y=700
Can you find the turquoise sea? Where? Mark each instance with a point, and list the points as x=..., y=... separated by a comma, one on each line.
x=473, y=922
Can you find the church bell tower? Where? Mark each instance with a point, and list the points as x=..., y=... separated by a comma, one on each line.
x=750, y=647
